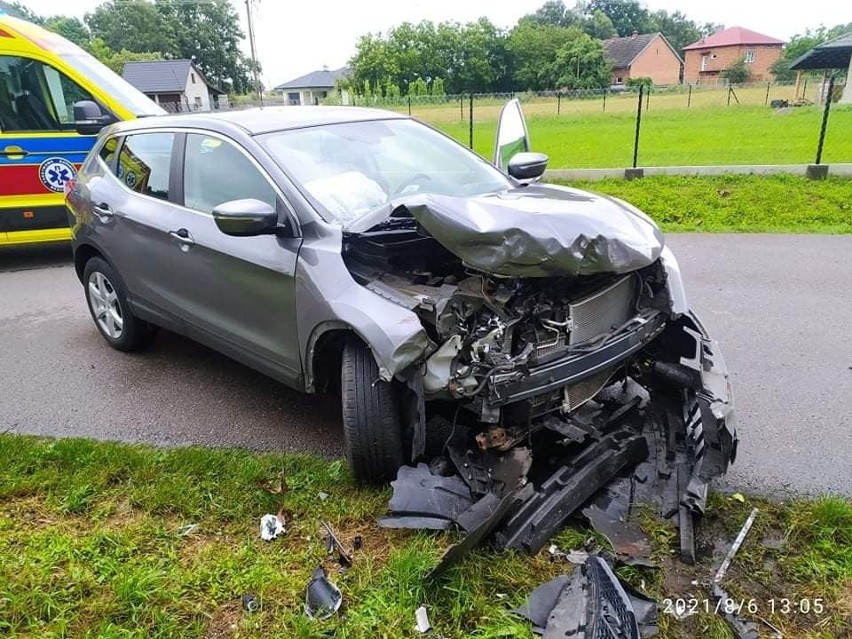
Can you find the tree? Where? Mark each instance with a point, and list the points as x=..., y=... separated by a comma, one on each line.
x=800, y=44
x=418, y=88
x=69, y=28
x=438, y=87
x=19, y=10
x=554, y=13
x=679, y=30
x=599, y=26
x=134, y=25
x=533, y=48
x=209, y=33
x=628, y=16
x=581, y=63
x=737, y=72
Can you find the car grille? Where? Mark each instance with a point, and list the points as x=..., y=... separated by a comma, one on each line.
x=603, y=311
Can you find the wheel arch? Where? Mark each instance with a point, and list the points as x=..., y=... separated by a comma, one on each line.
x=84, y=253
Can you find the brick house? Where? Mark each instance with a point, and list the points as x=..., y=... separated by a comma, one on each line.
x=647, y=55
x=707, y=58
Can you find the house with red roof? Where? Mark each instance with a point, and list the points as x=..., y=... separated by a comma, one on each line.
x=706, y=59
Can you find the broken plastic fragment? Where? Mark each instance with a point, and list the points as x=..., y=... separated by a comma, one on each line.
x=183, y=531
x=322, y=598
x=250, y=603
x=271, y=526
x=423, y=626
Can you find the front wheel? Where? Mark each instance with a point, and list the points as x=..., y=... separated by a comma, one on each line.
x=371, y=426
x=107, y=300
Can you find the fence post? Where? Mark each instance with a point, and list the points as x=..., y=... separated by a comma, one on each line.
x=638, y=126
x=824, y=120
x=648, y=98
x=461, y=108
x=604, y=100
x=409, y=104
x=558, y=103
x=804, y=89
x=470, y=109
x=689, y=97
x=766, y=100
x=729, y=95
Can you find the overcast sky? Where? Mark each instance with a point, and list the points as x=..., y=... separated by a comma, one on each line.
x=295, y=37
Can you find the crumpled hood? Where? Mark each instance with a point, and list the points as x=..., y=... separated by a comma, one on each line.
x=540, y=231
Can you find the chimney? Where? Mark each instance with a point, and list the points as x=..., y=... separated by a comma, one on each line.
x=635, y=32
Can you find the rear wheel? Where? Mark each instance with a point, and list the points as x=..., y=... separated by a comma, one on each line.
x=371, y=425
x=107, y=300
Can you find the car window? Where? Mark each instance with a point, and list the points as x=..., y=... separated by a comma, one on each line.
x=144, y=163
x=216, y=171
x=107, y=151
x=36, y=97
x=353, y=168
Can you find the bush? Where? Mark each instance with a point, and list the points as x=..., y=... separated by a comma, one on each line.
x=635, y=83
x=737, y=73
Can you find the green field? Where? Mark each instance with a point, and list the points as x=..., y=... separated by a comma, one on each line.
x=109, y=541
x=674, y=137
x=709, y=132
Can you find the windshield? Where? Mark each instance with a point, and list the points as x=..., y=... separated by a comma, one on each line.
x=118, y=88
x=353, y=168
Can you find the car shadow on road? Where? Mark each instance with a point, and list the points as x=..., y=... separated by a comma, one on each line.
x=24, y=258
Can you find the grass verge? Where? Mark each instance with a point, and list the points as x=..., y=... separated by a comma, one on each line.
x=737, y=203
x=94, y=543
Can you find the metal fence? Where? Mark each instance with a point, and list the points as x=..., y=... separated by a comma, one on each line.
x=685, y=125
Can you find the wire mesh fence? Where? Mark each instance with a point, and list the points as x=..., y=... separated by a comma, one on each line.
x=685, y=125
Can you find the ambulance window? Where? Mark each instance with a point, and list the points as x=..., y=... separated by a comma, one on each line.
x=36, y=97
x=144, y=163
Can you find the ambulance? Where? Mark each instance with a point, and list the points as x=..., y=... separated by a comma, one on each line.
x=54, y=98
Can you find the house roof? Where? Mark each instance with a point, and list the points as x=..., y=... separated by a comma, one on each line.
x=162, y=76
x=322, y=79
x=731, y=37
x=621, y=52
x=834, y=54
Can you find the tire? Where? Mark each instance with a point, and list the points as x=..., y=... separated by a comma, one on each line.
x=106, y=298
x=371, y=424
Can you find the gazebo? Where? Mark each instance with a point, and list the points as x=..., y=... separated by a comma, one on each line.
x=835, y=54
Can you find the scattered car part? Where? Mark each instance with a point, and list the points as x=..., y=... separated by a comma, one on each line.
x=735, y=547
x=322, y=598
x=422, y=616
x=271, y=526
x=422, y=499
x=334, y=544
x=250, y=603
x=575, y=557
x=741, y=628
x=540, y=516
x=591, y=603
x=188, y=529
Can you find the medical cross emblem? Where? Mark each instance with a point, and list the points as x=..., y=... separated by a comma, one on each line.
x=55, y=172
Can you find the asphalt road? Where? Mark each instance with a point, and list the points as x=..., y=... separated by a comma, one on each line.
x=781, y=306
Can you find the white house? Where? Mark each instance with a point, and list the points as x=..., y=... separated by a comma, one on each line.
x=314, y=87
x=176, y=85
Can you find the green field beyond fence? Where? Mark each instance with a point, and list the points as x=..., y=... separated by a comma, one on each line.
x=711, y=126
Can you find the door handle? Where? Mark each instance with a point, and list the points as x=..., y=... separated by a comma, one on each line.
x=14, y=152
x=183, y=238
x=103, y=211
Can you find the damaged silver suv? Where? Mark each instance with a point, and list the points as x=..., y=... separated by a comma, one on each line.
x=364, y=253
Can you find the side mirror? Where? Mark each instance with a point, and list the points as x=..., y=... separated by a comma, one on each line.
x=89, y=119
x=527, y=166
x=246, y=217
x=512, y=136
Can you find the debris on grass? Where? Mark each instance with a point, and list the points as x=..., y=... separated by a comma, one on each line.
x=250, y=603
x=322, y=598
x=422, y=617
x=271, y=526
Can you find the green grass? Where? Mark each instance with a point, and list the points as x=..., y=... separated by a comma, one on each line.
x=669, y=137
x=93, y=544
x=737, y=203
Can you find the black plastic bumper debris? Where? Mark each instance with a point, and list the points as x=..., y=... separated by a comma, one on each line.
x=591, y=603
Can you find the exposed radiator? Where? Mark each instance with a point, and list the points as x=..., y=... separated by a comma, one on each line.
x=603, y=311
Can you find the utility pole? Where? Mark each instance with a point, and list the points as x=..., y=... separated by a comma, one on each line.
x=253, y=53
